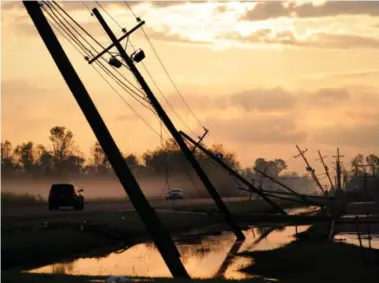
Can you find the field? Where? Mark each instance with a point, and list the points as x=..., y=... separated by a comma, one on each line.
x=61, y=237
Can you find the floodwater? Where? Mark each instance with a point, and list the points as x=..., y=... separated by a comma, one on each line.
x=208, y=257
x=352, y=238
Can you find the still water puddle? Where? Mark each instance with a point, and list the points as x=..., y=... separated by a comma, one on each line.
x=208, y=257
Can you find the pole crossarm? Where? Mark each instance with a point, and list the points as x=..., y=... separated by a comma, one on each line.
x=234, y=173
x=118, y=41
x=310, y=169
x=200, y=140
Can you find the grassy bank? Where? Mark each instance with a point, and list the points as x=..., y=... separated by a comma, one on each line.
x=30, y=243
x=321, y=261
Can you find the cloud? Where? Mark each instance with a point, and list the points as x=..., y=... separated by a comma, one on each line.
x=276, y=9
x=165, y=35
x=360, y=135
x=359, y=73
x=264, y=100
x=315, y=40
x=276, y=100
x=260, y=129
x=328, y=96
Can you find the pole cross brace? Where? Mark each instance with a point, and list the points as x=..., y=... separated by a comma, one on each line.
x=114, y=43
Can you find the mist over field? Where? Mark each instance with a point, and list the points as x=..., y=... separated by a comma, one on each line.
x=104, y=187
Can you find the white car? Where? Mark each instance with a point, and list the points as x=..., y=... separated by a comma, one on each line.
x=174, y=194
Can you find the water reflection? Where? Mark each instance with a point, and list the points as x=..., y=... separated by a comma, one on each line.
x=203, y=259
x=352, y=238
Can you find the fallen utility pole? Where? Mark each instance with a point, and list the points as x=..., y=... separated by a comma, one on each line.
x=284, y=186
x=302, y=195
x=148, y=216
x=278, y=196
x=234, y=173
x=310, y=169
x=326, y=170
x=170, y=126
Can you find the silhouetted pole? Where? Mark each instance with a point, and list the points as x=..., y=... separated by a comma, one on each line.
x=148, y=216
x=234, y=173
x=326, y=170
x=309, y=168
x=365, y=177
x=200, y=140
x=338, y=168
x=170, y=126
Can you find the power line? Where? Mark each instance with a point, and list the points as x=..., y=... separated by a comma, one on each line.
x=147, y=71
x=101, y=66
x=119, y=81
x=164, y=97
x=93, y=48
x=164, y=68
x=109, y=15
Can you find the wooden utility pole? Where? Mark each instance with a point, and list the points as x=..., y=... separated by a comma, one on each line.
x=309, y=168
x=326, y=169
x=148, y=216
x=234, y=173
x=365, y=177
x=172, y=129
x=338, y=169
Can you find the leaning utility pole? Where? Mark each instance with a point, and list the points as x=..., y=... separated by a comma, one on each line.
x=326, y=169
x=170, y=126
x=234, y=173
x=338, y=168
x=148, y=216
x=309, y=168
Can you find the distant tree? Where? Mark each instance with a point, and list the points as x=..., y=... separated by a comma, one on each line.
x=100, y=161
x=132, y=161
x=45, y=161
x=27, y=158
x=270, y=167
x=64, y=151
x=373, y=160
x=355, y=162
x=7, y=157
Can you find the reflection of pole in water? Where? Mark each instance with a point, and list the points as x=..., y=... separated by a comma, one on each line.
x=230, y=255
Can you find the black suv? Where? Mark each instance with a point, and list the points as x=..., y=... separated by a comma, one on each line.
x=65, y=195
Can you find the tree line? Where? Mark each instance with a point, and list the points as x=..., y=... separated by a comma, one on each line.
x=62, y=157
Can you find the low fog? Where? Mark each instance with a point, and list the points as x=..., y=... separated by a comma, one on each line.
x=105, y=187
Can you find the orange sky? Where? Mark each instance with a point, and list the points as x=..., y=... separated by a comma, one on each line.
x=261, y=76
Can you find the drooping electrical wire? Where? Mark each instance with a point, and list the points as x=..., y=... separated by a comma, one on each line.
x=127, y=88
x=151, y=77
x=69, y=36
x=165, y=69
x=95, y=41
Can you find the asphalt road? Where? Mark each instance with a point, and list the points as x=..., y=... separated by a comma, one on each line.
x=30, y=212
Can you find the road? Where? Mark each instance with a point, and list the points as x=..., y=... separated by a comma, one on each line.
x=30, y=212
